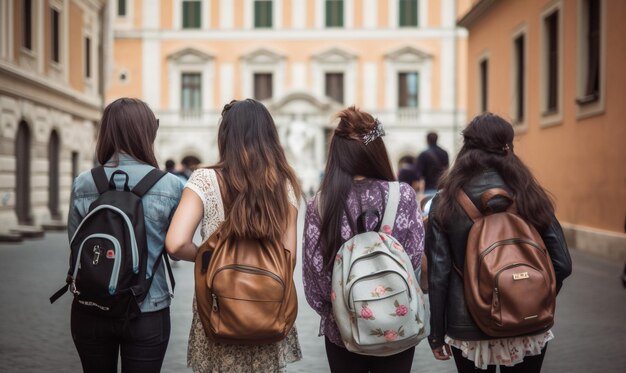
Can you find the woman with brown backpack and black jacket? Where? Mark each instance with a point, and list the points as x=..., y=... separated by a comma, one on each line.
x=486, y=161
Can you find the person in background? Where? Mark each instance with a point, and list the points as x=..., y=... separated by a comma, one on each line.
x=406, y=171
x=125, y=142
x=356, y=179
x=262, y=193
x=430, y=165
x=485, y=161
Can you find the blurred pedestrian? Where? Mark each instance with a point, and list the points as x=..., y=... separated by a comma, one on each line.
x=485, y=161
x=430, y=165
x=262, y=193
x=406, y=171
x=125, y=144
x=170, y=166
x=356, y=179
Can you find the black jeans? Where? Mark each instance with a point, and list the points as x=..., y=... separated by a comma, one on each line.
x=341, y=360
x=141, y=341
x=531, y=364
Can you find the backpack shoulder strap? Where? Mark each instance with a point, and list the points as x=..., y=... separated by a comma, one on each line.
x=468, y=206
x=100, y=179
x=148, y=181
x=389, y=216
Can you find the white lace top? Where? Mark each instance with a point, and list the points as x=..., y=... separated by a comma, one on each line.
x=203, y=355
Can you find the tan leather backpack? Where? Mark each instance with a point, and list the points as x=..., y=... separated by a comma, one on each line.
x=245, y=290
x=509, y=282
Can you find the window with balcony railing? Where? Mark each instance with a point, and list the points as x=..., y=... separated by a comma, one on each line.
x=263, y=13
x=408, y=90
x=191, y=93
x=334, y=86
x=263, y=86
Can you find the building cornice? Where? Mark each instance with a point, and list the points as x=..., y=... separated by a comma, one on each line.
x=475, y=13
x=17, y=83
x=291, y=34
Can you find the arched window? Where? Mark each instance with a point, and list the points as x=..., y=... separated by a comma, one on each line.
x=22, y=174
x=53, y=175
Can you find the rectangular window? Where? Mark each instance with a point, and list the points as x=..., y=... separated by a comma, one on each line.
x=407, y=13
x=484, y=84
x=191, y=92
x=551, y=24
x=192, y=10
x=27, y=30
x=262, y=86
x=334, y=13
x=263, y=13
x=408, y=90
x=75, y=165
x=520, y=78
x=121, y=8
x=334, y=86
x=55, y=36
x=591, y=91
x=87, y=57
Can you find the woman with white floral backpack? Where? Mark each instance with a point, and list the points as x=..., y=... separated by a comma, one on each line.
x=357, y=189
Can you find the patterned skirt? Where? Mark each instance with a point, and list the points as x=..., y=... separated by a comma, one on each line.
x=204, y=355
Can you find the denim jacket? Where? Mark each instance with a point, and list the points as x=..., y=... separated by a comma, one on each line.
x=158, y=205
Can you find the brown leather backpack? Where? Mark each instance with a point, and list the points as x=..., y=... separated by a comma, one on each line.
x=508, y=281
x=245, y=290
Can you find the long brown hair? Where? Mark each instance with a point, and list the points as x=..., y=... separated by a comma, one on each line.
x=255, y=172
x=488, y=144
x=129, y=126
x=348, y=156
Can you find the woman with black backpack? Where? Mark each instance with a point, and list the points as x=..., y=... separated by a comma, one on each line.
x=119, y=309
x=496, y=181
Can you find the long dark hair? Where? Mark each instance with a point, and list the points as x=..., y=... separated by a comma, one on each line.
x=129, y=126
x=488, y=144
x=255, y=172
x=348, y=156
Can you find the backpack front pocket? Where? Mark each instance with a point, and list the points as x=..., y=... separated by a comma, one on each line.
x=381, y=307
x=98, y=265
x=240, y=294
x=519, y=295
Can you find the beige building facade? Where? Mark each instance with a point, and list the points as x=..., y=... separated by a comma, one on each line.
x=50, y=102
x=554, y=69
x=304, y=59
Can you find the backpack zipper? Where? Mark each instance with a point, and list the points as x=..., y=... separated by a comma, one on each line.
x=133, y=241
x=249, y=269
x=375, y=253
x=377, y=274
x=116, y=263
x=502, y=243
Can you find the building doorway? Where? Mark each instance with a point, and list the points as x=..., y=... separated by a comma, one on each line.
x=22, y=175
x=53, y=175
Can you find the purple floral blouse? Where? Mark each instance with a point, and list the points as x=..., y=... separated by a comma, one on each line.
x=365, y=194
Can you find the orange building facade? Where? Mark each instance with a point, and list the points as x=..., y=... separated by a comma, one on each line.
x=554, y=69
x=304, y=59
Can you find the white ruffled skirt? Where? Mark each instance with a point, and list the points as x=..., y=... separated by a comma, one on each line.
x=505, y=351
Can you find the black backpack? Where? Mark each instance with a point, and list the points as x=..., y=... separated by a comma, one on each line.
x=109, y=251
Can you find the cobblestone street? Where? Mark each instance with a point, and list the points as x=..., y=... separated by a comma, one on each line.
x=34, y=335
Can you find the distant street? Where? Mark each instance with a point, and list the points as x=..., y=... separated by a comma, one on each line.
x=34, y=335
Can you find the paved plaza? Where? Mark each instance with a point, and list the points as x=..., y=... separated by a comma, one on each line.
x=34, y=335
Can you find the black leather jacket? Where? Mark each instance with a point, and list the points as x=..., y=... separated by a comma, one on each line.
x=449, y=314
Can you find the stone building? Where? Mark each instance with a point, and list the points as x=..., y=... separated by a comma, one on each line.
x=401, y=60
x=51, y=96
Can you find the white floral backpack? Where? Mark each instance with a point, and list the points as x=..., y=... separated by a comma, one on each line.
x=377, y=303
